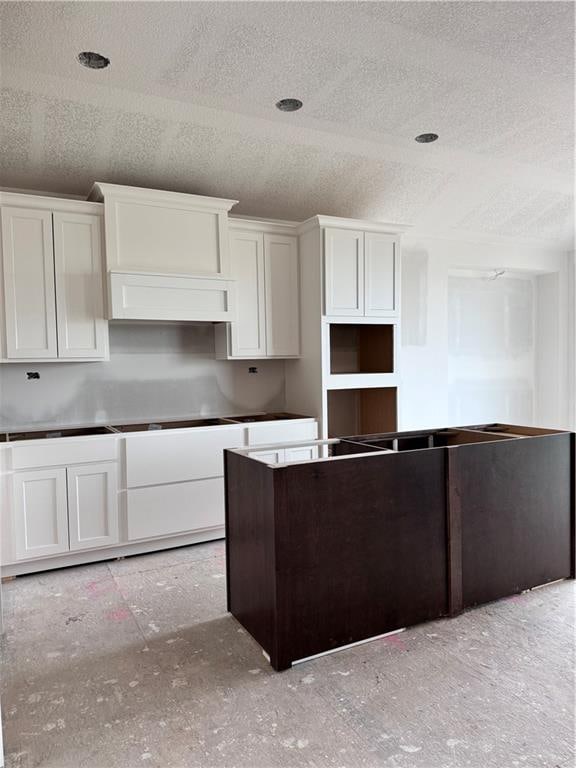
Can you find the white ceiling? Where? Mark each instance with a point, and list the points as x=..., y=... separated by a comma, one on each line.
x=188, y=104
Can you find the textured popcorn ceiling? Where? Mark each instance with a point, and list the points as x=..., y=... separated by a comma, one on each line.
x=188, y=104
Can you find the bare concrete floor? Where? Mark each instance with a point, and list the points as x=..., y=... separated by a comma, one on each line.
x=136, y=663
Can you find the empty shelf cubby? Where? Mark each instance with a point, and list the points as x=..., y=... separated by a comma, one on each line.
x=361, y=411
x=361, y=348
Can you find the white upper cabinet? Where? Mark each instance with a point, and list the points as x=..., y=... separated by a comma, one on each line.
x=30, y=303
x=380, y=274
x=344, y=272
x=167, y=233
x=52, y=279
x=81, y=324
x=265, y=270
x=360, y=273
x=248, y=333
x=282, y=296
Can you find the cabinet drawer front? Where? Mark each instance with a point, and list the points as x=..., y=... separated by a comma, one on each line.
x=171, y=509
x=156, y=297
x=57, y=452
x=172, y=458
x=267, y=434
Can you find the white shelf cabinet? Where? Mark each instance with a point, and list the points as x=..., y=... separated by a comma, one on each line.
x=360, y=273
x=52, y=281
x=266, y=272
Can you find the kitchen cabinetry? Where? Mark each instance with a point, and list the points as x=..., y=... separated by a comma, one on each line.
x=499, y=519
x=52, y=281
x=154, y=231
x=282, y=455
x=360, y=273
x=165, y=297
x=264, y=266
x=40, y=513
x=92, y=505
x=63, y=509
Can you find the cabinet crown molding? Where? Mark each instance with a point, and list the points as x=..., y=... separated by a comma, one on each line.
x=338, y=222
x=46, y=203
x=270, y=226
x=101, y=190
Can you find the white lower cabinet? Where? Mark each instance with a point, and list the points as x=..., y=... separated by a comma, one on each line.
x=166, y=510
x=40, y=513
x=63, y=509
x=114, y=495
x=92, y=506
x=281, y=455
x=301, y=453
x=269, y=457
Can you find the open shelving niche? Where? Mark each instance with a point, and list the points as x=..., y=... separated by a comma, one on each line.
x=362, y=411
x=361, y=348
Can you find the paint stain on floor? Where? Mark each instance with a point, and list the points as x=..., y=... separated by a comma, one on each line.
x=136, y=662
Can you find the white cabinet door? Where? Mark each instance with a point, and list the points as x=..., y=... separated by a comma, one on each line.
x=343, y=272
x=301, y=453
x=380, y=275
x=92, y=506
x=282, y=296
x=40, y=513
x=82, y=327
x=248, y=332
x=30, y=302
x=269, y=457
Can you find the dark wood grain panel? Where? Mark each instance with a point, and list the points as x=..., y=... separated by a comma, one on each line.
x=517, y=515
x=361, y=548
x=250, y=546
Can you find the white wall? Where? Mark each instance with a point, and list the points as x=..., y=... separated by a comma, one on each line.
x=155, y=371
x=524, y=376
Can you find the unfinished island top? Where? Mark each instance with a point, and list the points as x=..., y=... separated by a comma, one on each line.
x=384, y=531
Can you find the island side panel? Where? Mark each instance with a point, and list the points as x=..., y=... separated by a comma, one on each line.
x=361, y=548
x=250, y=569
x=516, y=505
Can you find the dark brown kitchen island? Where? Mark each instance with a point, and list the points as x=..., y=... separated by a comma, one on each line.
x=381, y=532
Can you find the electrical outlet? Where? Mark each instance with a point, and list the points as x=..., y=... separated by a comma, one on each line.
x=32, y=375
x=252, y=369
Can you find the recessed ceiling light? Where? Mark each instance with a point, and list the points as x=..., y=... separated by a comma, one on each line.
x=93, y=60
x=289, y=105
x=426, y=138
